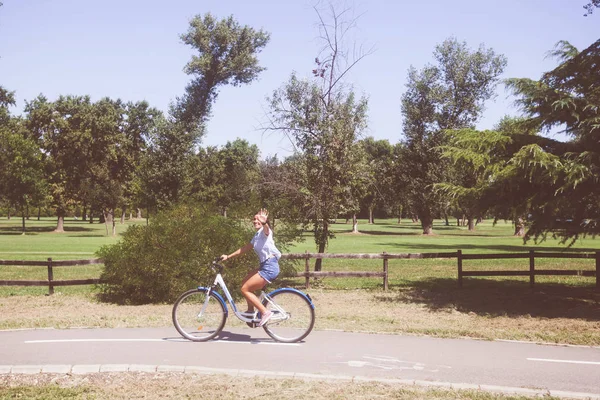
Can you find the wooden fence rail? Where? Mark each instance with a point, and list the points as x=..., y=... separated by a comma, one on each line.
x=307, y=274
x=531, y=272
x=50, y=264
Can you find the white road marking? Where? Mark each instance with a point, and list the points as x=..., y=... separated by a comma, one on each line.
x=565, y=361
x=151, y=340
x=93, y=340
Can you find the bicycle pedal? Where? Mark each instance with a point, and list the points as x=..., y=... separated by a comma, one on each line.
x=252, y=324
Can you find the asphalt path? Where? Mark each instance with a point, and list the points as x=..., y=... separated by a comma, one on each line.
x=565, y=371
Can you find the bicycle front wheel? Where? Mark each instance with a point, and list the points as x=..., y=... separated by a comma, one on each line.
x=293, y=315
x=198, y=316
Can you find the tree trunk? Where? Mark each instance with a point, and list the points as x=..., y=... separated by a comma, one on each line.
x=318, y=261
x=23, y=221
x=371, y=218
x=139, y=213
x=39, y=213
x=107, y=219
x=426, y=223
x=123, y=216
x=60, y=225
x=354, y=224
x=471, y=223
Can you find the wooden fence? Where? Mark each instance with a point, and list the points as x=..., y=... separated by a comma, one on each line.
x=531, y=272
x=307, y=274
x=50, y=264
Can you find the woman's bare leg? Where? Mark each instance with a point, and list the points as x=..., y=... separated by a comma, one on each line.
x=252, y=284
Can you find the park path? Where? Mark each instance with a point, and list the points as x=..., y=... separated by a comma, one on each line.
x=563, y=371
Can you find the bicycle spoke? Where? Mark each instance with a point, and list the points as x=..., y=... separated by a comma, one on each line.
x=198, y=317
x=293, y=317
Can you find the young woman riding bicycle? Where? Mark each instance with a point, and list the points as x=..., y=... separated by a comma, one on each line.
x=268, y=270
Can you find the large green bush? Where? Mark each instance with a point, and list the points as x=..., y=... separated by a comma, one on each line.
x=157, y=262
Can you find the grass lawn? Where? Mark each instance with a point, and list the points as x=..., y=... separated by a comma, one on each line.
x=423, y=299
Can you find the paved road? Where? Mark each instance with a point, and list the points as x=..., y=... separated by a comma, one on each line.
x=560, y=370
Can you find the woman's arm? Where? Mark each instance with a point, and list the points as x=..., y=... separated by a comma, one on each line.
x=241, y=250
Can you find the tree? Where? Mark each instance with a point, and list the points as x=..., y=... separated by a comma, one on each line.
x=227, y=55
x=449, y=95
x=140, y=122
x=566, y=173
x=227, y=178
x=589, y=7
x=379, y=159
x=63, y=130
x=477, y=155
x=323, y=118
x=21, y=169
x=21, y=165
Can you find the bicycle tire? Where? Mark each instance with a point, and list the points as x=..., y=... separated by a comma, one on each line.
x=188, y=321
x=298, y=321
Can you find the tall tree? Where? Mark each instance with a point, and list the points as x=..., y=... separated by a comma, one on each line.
x=568, y=203
x=21, y=169
x=323, y=118
x=63, y=128
x=379, y=159
x=448, y=95
x=227, y=55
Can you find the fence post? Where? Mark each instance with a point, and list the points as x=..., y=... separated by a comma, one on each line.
x=598, y=270
x=385, y=271
x=50, y=277
x=306, y=271
x=531, y=268
x=459, y=261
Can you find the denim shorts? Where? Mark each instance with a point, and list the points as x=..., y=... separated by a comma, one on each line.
x=269, y=269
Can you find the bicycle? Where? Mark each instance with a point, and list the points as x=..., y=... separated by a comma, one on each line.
x=200, y=314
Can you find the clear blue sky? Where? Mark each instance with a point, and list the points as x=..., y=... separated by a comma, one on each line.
x=130, y=49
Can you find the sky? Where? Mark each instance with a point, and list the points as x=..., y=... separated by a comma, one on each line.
x=131, y=49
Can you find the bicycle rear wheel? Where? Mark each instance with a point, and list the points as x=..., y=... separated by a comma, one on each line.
x=197, y=319
x=293, y=315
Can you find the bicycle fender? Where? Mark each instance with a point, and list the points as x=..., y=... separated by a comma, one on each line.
x=305, y=295
x=219, y=297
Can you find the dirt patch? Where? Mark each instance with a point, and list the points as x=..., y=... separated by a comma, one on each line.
x=396, y=311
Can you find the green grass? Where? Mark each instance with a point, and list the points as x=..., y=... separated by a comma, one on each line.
x=80, y=240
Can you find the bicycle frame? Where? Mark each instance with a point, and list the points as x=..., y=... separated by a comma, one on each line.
x=243, y=316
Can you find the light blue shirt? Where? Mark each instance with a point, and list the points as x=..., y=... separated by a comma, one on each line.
x=264, y=246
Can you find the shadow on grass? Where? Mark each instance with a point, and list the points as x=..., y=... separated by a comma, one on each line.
x=17, y=230
x=379, y=233
x=487, y=297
